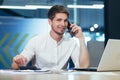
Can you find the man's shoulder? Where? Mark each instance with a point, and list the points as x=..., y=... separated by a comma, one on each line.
x=73, y=39
x=39, y=37
x=70, y=40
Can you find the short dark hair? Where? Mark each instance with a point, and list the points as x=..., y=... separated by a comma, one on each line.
x=57, y=9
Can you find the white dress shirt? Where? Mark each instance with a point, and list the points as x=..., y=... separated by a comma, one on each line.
x=50, y=54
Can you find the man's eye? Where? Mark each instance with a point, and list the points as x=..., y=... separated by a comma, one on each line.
x=65, y=20
x=58, y=20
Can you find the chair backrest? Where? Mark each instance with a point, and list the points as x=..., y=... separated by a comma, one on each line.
x=95, y=49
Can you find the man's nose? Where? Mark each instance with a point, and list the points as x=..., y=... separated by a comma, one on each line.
x=63, y=23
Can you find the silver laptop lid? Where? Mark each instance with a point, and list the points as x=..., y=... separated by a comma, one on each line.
x=110, y=60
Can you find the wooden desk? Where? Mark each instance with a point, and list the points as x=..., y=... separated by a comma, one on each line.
x=9, y=75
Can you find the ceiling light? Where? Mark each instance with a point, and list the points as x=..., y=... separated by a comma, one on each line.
x=95, y=6
x=96, y=25
x=16, y=7
x=30, y=7
x=38, y=7
x=92, y=28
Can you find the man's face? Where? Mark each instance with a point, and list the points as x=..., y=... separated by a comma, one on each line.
x=59, y=23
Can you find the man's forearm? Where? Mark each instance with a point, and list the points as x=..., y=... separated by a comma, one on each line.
x=84, y=54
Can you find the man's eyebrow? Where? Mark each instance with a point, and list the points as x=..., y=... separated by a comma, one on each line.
x=59, y=19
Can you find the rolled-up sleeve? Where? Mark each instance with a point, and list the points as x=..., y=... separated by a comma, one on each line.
x=29, y=50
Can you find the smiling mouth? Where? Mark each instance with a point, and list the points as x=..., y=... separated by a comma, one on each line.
x=62, y=30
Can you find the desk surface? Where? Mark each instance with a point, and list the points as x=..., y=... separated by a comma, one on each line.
x=58, y=75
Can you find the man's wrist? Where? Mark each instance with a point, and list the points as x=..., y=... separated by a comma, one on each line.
x=81, y=38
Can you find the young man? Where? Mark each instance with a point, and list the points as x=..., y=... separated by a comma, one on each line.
x=53, y=50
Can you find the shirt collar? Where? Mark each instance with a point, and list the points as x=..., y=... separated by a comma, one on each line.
x=54, y=41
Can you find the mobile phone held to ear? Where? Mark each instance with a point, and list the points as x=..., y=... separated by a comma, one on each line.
x=69, y=29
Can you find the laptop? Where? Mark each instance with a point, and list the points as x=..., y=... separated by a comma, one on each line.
x=110, y=60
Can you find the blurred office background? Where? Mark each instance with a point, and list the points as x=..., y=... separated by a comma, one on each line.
x=22, y=19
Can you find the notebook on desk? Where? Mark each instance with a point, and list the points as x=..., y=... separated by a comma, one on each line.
x=110, y=60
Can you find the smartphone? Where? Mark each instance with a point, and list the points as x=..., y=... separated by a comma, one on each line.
x=69, y=29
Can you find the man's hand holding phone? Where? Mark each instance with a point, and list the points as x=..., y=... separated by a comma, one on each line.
x=75, y=30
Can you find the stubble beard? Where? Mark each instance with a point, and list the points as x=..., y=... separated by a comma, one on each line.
x=58, y=33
